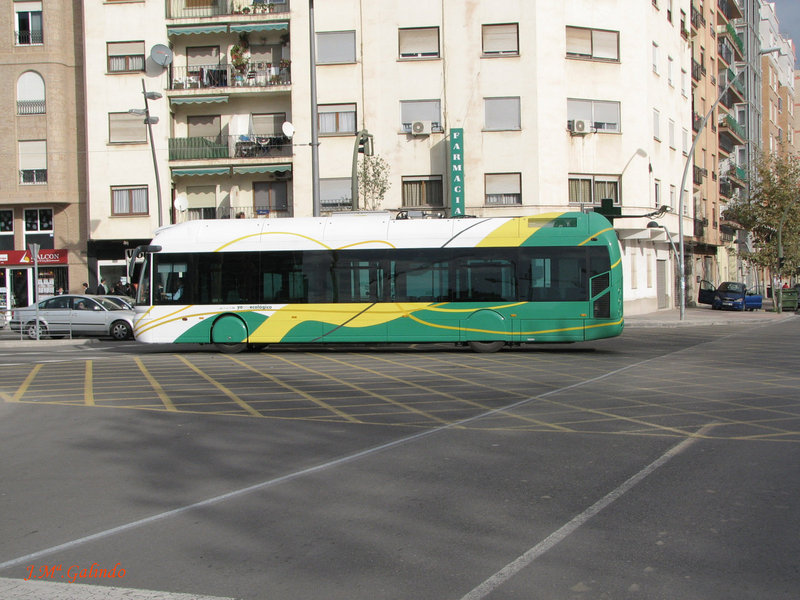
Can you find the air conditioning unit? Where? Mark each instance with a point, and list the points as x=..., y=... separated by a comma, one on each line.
x=421, y=128
x=580, y=127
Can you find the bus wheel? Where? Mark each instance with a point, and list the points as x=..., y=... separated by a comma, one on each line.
x=231, y=348
x=484, y=347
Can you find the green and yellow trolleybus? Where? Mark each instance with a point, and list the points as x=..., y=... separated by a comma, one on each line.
x=482, y=282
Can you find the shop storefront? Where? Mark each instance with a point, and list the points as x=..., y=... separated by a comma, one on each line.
x=17, y=276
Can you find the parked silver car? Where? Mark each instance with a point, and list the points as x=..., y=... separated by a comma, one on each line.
x=74, y=314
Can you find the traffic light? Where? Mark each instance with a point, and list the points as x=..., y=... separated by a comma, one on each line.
x=365, y=143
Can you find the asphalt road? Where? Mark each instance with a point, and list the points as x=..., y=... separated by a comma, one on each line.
x=658, y=465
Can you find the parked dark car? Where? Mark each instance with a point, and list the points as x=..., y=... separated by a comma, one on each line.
x=74, y=314
x=730, y=295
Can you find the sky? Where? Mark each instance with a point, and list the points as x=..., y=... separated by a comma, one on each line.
x=788, y=12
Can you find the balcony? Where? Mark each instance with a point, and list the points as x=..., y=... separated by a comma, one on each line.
x=729, y=9
x=698, y=21
x=725, y=188
x=229, y=146
x=731, y=127
x=700, y=227
x=696, y=120
x=698, y=70
x=728, y=31
x=725, y=51
x=698, y=174
x=193, y=9
x=279, y=210
x=250, y=75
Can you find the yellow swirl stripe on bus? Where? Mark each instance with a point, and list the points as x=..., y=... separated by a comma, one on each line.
x=538, y=332
x=514, y=232
x=305, y=237
x=596, y=235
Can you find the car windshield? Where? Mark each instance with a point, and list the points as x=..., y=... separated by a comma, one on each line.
x=729, y=286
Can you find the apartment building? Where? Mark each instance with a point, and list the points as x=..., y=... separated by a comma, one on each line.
x=777, y=85
x=555, y=106
x=42, y=153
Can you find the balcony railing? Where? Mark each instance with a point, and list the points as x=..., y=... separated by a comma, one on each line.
x=698, y=21
x=32, y=176
x=700, y=227
x=29, y=38
x=179, y=9
x=255, y=74
x=30, y=107
x=229, y=146
x=732, y=124
x=697, y=70
x=698, y=174
x=725, y=50
x=279, y=210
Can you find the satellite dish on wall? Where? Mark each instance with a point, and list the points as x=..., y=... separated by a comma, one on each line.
x=181, y=202
x=288, y=129
x=161, y=55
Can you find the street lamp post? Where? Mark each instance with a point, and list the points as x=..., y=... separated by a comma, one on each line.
x=689, y=161
x=150, y=121
x=314, y=125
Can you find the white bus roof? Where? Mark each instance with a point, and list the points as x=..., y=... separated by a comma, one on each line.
x=356, y=231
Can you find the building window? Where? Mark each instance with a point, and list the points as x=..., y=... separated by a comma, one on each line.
x=671, y=133
x=28, y=23
x=201, y=202
x=269, y=123
x=6, y=229
x=125, y=128
x=336, y=47
x=657, y=193
x=603, y=115
x=33, y=162
x=129, y=201
x=656, y=124
x=670, y=68
x=655, y=58
x=30, y=94
x=594, y=44
x=336, y=193
x=672, y=195
x=39, y=227
x=685, y=142
x=684, y=83
x=269, y=197
x=125, y=57
x=424, y=191
x=503, y=189
x=592, y=189
x=502, y=114
x=421, y=110
x=500, y=40
x=336, y=118
x=422, y=42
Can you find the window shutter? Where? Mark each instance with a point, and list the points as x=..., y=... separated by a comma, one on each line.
x=419, y=42
x=500, y=39
x=32, y=155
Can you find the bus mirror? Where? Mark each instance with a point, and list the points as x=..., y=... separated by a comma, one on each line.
x=136, y=253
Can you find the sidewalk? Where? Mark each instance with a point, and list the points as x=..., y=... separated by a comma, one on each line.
x=704, y=316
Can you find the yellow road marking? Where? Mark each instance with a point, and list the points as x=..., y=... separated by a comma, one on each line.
x=156, y=386
x=25, y=384
x=221, y=388
x=88, y=386
x=463, y=400
x=295, y=390
x=364, y=390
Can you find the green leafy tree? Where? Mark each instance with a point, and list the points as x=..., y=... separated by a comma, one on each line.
x=373, y=182
x=773, y=206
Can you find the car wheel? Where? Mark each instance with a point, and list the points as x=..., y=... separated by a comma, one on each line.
x=120, y=330
x=31, y=329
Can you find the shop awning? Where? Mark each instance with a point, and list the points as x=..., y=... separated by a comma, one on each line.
x=199, y=100
x=200, y=171
x=261, y=169
x=280, y=25
x=197, y=29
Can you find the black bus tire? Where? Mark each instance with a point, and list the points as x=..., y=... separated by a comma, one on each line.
x=486, y=347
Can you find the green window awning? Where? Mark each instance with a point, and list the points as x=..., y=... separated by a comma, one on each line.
x=260, y=27
x=197, y=30
x=261, y=169
x=200, y=171
x=199, y=100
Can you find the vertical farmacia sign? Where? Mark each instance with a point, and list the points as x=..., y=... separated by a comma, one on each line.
x=457, y=172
